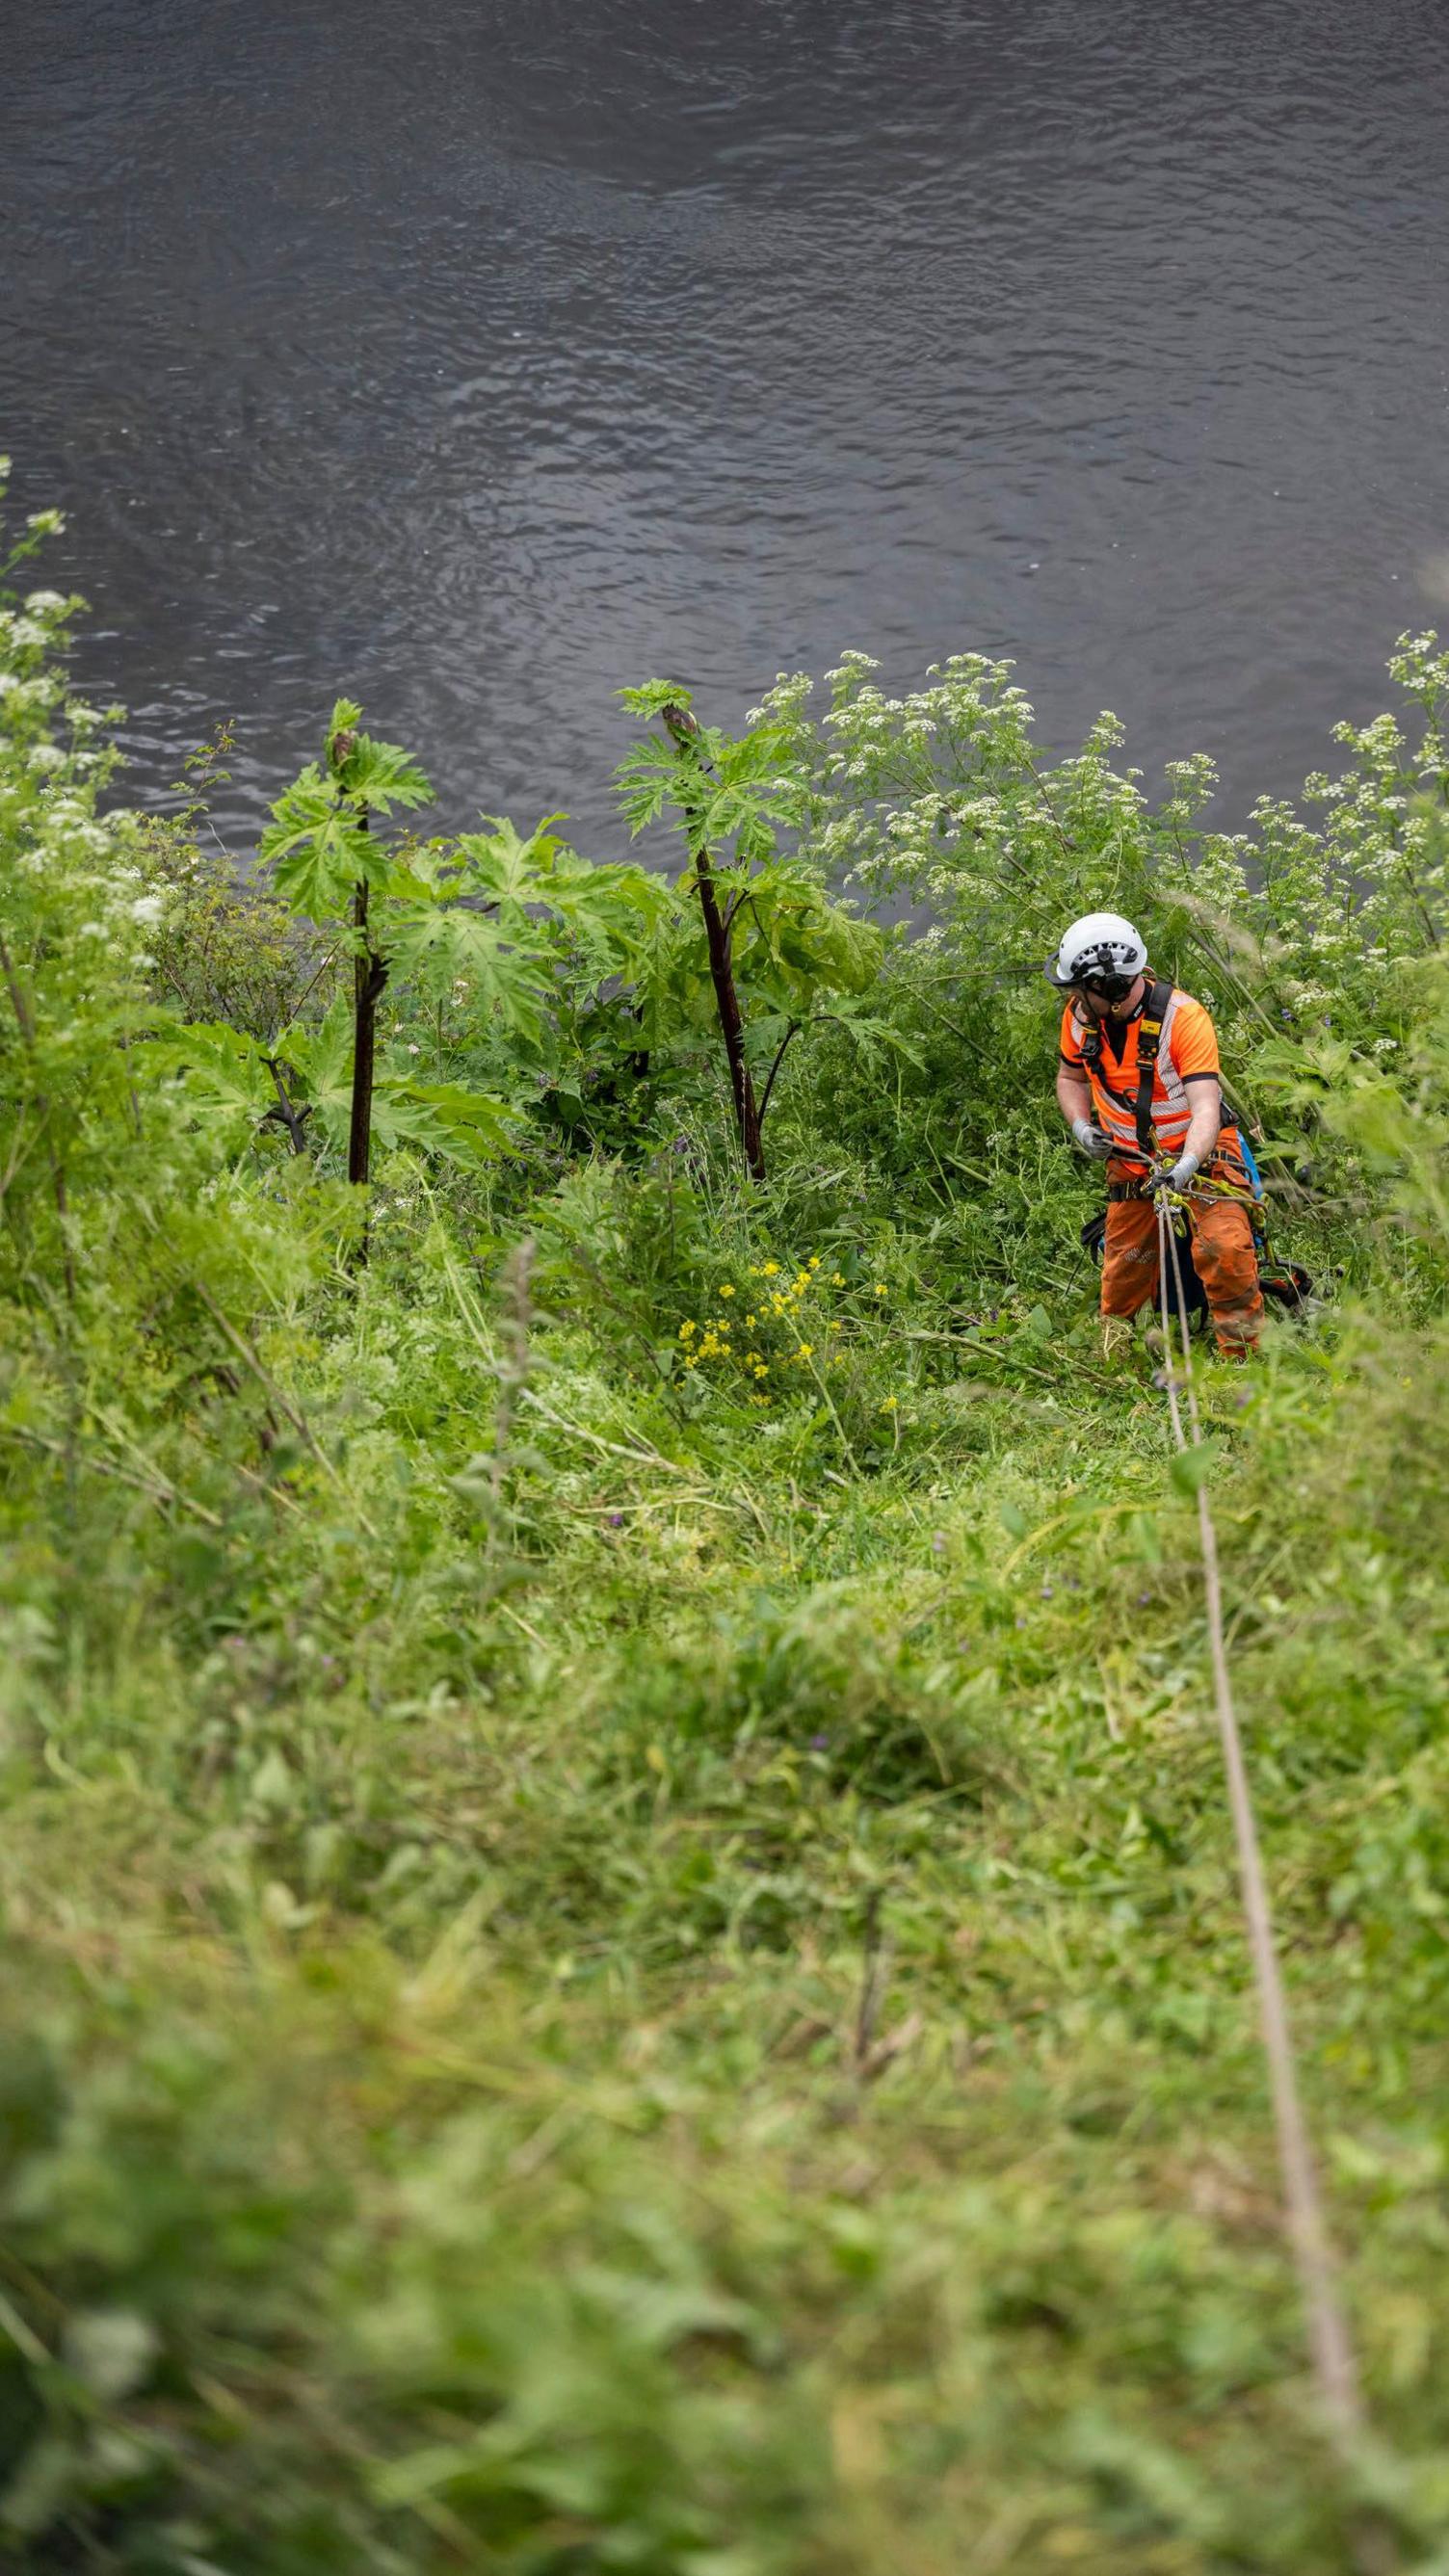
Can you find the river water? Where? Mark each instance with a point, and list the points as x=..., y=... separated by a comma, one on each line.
x=476, y=358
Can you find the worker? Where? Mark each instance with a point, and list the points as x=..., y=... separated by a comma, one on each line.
x=1138, y=1086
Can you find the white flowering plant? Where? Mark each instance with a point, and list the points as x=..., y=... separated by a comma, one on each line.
x=941, y=800
x=113, y=1204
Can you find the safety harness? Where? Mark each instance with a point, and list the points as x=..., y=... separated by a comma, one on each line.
x=1150, y=1021
x=1149, y=1030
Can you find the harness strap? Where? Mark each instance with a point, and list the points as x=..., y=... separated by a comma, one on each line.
x=1149, y=1030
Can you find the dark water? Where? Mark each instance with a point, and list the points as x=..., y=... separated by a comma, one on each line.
x=479, y=357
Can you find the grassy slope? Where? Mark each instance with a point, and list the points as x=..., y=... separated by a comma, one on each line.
x=641, y=1972
x=735, y=2052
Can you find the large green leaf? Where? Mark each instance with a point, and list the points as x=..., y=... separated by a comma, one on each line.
x=380, y=775
x=317, y=845
x=607, y=908
x=469, y=1128
x=610, y=913
x=653, y=696
x=440, y=942
x=514, y=914
x=815, y=944
x=317, y=849
x=503, y=867
x=872, y=1035
x=464, y=1127
x=723, y=791
x=321, y=1058
x=220, y=1072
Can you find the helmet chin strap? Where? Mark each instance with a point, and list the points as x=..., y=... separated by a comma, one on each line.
x=1111, y=1003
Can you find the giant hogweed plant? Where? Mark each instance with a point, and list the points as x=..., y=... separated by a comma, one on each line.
x=761, y=947
x=522, y=930
x=333, y=867
x=577, y=982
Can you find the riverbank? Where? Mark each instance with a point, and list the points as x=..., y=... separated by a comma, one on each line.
x=626, y=1955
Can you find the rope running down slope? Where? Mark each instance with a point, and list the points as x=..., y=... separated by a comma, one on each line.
x=1332, y=2353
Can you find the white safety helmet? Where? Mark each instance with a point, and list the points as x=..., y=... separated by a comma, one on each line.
x=1099, y=946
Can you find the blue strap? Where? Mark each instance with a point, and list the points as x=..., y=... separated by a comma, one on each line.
x=1249, y=1159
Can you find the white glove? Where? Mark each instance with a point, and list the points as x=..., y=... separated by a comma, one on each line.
x=1183, y=1173
x=1094, y=1141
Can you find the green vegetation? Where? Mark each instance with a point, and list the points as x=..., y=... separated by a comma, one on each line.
x=622, y=1950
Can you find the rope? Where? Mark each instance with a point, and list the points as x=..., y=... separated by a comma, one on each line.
x=1332, y=2353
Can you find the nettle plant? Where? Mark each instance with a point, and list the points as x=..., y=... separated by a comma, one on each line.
x=759, y=945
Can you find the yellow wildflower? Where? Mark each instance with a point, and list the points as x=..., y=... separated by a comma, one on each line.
x=837, y=1279
x=727, y=1291
x=771, y=1270
x=687, y=1332
x=879, y=1289
x=749, y=1319
x=814, y=1260
x=890, y=1404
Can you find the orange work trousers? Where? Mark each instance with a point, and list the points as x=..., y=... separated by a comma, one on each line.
x=1223, y=1254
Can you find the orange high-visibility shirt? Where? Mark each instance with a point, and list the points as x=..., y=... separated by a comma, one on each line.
x=1187, y=1054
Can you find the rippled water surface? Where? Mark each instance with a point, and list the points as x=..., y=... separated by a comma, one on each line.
x=479, y=357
